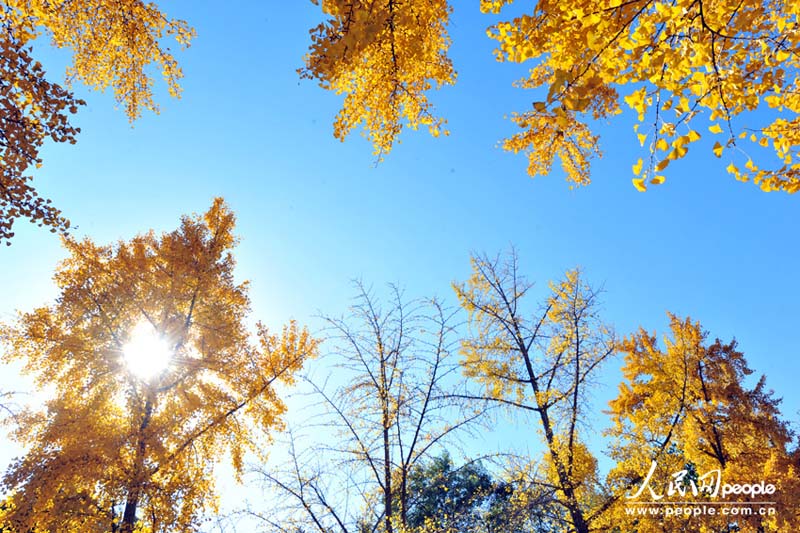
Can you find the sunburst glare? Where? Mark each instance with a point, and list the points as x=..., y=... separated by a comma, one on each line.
x=146, y=353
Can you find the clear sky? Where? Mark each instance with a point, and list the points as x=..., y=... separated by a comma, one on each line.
x=315, y=213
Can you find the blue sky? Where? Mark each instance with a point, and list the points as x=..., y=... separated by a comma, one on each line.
x=315, y=213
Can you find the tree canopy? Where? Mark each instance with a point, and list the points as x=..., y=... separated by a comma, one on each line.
x=155, y=379
x=114, y=45
x=384, y=56
x=686, y=68
x=687, y=407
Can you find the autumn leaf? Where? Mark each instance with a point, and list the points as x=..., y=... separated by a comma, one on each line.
x=717, y=63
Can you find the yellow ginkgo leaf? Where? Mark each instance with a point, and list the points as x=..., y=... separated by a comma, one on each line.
x=715, y=128
x=639, y=184
x=637, y=168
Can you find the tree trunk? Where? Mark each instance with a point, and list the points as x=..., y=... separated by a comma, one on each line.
x=135, y=487
x=387, y=458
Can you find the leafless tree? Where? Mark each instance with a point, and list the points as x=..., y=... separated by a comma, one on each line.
x=386, y=407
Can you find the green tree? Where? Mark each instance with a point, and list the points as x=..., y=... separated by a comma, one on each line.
x=451, y=496
x=445, y=498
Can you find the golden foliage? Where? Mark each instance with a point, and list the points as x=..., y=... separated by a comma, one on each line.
x=114, y=43
x=731, y=63
x=113, y=449
x=384, y=56
x=688, y=405
x=676, y=62
x=542, y=364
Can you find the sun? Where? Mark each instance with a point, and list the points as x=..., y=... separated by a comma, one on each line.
x=146, y=353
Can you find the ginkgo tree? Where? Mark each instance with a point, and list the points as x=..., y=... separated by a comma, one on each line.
x=155, y=378
x=686, y=407
x=393, y=364
x=114, y=44
x=541, y=363
x=724, y=69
